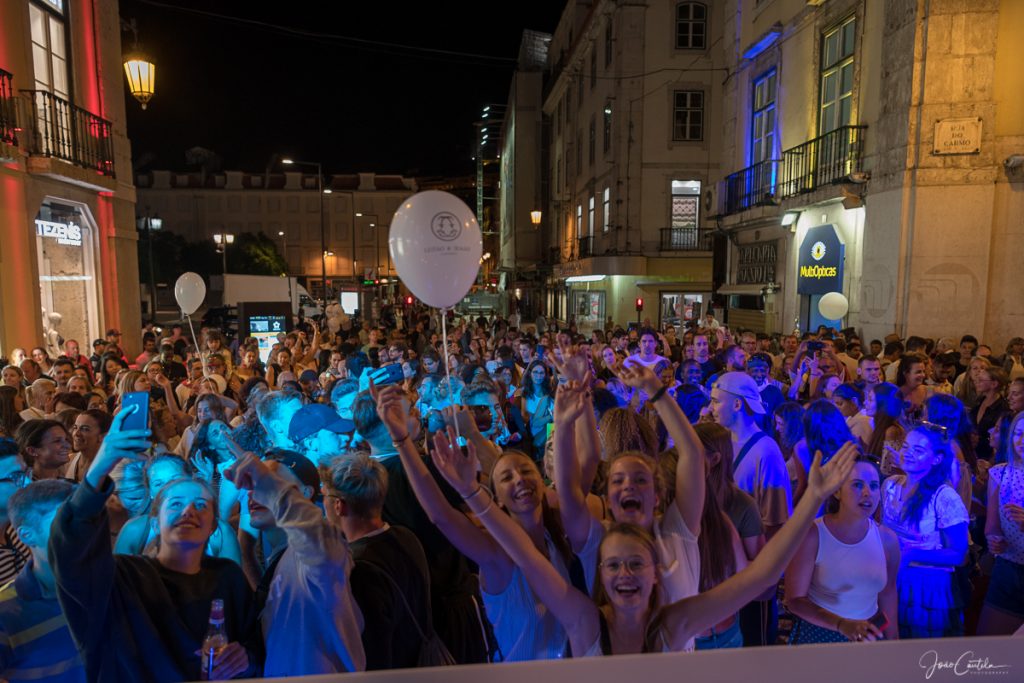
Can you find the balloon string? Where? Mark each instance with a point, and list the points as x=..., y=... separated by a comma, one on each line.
x=199, y=351
x=448, y=370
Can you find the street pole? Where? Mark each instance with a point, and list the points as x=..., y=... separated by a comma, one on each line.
x=152, y=276
x=224, y=256
x=323, y=235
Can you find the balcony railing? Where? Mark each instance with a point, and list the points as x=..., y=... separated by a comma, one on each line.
x=585, y=246
x=820, y=161
x=752, y=186
x=8, y=118
x=65, y=131
x=825, y=159
x=686, y=239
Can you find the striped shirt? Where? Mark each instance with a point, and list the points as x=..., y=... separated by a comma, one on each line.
x=35, y=643
x=13, y=555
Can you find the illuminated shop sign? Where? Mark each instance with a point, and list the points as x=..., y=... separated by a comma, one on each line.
x=68, y=233
x=820, y=261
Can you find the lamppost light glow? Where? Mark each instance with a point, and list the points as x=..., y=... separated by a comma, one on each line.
x=141, y=73
x=535, y=217
x=287, y=162
x=328, y=191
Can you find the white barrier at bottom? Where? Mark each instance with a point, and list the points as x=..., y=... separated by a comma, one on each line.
x=967, y=660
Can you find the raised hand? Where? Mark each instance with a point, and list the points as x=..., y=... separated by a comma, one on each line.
x=571, y=401
x=823, y=481
x=118, y=444
x=246, y=472
x=638, y=376
x=459, y=470
x=204, y=466
x=390, y=408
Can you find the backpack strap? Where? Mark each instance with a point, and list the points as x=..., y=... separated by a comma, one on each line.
x=751, y=442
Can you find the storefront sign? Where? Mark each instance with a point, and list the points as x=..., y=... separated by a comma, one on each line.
x=820, y=262
x=756, y=263
x=65, y=233
x=957, y=136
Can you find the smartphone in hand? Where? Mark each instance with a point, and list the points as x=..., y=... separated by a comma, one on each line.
x=138, y=420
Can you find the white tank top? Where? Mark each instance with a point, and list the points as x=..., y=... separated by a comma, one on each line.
x=848, y=578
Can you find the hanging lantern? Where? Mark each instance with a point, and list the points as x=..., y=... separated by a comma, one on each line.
x=141, y=76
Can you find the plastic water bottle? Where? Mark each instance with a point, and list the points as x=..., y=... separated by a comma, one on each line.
x=215, y=641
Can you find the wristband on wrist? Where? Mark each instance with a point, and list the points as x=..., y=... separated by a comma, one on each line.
x=658, y=394
x=398, y=441
x=475, y=493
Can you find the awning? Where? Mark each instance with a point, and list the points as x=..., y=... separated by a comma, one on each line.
x=741, y=289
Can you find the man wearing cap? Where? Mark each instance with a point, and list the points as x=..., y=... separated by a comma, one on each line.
x=99, y=346
x=319, y=432
x=311, y=624
x=760, y=470
x=759, y=367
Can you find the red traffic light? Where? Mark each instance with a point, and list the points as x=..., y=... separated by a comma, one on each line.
x=639, y=304
x=408, y=301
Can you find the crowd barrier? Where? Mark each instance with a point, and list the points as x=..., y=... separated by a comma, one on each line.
x=967, y=660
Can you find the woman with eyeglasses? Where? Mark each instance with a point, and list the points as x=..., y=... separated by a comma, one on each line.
x=538, y=403
x=86, y=438
x=1003, y=612
x=45, y=446
x=157, y=607
x=841, y=585
x=931, y=523
x=989, y=384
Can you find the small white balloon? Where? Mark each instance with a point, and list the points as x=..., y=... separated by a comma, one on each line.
x=189, y=292
x=833, y=306
x=435, y=243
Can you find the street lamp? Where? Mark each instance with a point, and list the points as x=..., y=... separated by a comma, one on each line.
x=223, y=240
x=139, y=68
x=149, y=224
x=323, y=235
x=535, y=217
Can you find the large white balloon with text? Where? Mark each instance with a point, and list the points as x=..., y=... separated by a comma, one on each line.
x=189, y=292
x=833, y=306
x=435, y=243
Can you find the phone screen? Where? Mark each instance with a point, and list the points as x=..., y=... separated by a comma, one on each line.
x=140, y=418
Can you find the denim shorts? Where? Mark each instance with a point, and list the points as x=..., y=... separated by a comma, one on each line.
x=1006, y=589
x=730, y=637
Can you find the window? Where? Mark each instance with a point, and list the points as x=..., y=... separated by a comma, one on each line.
x=49, y=53
x=691, y=26
x=685, y=203
x=688, y=115
x=606, y=210
x=579, y=220
x=837, y=76
x=607, y=126
x=762, y=144
x=579, y=153
x=593, y=67
x=608, y=44
x=592, y=143
x=590, y=217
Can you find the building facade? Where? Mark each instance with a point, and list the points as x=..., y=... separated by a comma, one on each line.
x=355, y=211
x=68, y=260
x=631, y=101
x=865, y=143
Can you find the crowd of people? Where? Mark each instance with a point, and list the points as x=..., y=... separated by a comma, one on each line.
x=371, y=498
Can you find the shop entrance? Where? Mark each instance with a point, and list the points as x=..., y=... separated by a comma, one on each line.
x=66, y=247
x=678, y=309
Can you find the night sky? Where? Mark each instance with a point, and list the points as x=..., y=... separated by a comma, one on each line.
x=248, y=92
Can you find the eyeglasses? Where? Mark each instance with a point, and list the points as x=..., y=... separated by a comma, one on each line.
x=633, y=565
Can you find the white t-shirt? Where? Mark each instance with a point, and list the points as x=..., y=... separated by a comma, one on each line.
x=1010, y=481
x=944, y=510
x=637, y=358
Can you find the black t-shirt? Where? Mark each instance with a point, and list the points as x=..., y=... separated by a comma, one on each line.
x=390, y=637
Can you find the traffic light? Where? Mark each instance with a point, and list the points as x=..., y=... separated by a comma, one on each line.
x=639, y=304
x=408, y=301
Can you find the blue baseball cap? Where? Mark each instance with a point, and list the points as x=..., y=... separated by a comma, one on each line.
x=315, y=417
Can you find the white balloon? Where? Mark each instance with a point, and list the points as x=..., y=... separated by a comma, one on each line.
x=189, y=292
x=435, y=243
x=833, y=306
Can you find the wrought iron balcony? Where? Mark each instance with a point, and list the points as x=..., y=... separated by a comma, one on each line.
x=8, y=117
x=753, y=186
x=826, y=159
x=585, y=246
x=686, y=239
x=68, y=132
x=823, y=160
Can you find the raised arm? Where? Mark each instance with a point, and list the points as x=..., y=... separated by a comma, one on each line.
x=690, y=484
x=457, y=527
x=690, y=616
x=573, y=609
x=570, y=405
